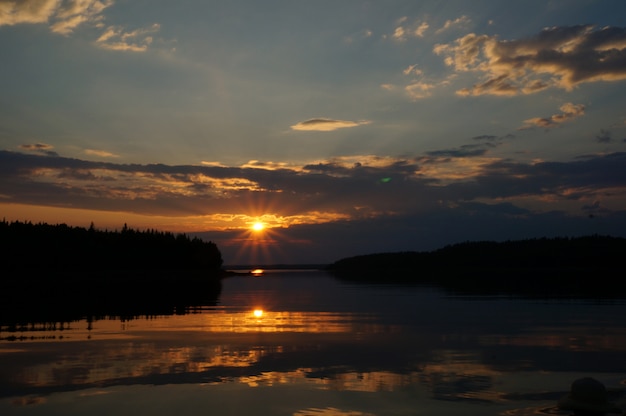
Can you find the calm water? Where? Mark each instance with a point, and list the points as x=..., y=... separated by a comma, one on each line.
x=303, y=343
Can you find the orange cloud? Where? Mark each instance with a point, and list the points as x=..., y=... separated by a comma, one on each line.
x=419, y=90
x=114, y=38
x=65, y=16
x=26, y=11
x=402, y=31
x=460, y=21
x=569, y=112
x=326, y=124
x=101, y=153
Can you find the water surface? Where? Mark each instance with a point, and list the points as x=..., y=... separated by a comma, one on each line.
x=304, y=343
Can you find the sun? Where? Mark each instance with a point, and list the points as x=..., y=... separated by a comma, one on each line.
x=258, y=226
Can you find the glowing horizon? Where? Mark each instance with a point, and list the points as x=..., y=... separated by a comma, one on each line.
x=403, y=126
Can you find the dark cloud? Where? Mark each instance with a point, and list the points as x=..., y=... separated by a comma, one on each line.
x=326, y=184
x=467, y=150
x=604, y=136
x=370, y=205
x=577, y=179
x=595, y=208
x=485, y=137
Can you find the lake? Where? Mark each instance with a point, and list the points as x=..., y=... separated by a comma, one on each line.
x=298, y=343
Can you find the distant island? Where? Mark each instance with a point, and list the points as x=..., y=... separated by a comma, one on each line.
x=588, y=264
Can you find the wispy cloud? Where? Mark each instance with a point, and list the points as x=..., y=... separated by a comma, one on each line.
x=327, y=124
x=569, y=112
x=100, y=153
x=558, y=57
x=458, y=22
x=73, y=13
x=404, y=30
x=467, y=150
x=412, y=70
x=115, y=38
x=42, y=148
x=65, y=17
x=604, y=136
x=27, y=11
x=419, y=89
x=36, y=146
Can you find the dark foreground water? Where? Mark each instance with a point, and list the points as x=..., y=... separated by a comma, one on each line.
x=303, y=343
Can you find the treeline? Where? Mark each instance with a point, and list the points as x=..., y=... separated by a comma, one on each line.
x=27, y=246
x=590, y=251
x=58, y=273
x=543, y=264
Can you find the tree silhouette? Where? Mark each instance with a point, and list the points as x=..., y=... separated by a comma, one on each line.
x=589, y=265
x=27, y=246
x=58, y=273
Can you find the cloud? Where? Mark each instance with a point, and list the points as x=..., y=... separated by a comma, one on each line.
x=419, y=89
x=101, y=153
x=399, y=33
x=406, y=202
x=114, y=38
x=36, y=146
x=460, y=21
x=403, y=31
x=355, y=186
x=558, y=57
x=412, y=70
x=363, y=34
x=73, y=13
x=327, y=124
x=569, y=112
x=595, y=208
x=604, y=136
x=492, y=138
x=468, y=150
x=42, y=148
x=65, y=16
x=421, y=29
x=27, y=11
x=257, y=164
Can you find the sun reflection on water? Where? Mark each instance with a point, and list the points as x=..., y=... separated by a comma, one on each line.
x=262, y=320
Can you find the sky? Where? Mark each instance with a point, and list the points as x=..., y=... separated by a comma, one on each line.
x=343, y=127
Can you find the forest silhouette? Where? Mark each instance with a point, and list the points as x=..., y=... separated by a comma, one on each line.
x=579, y=266
x=28, y=246
x=59, y=273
